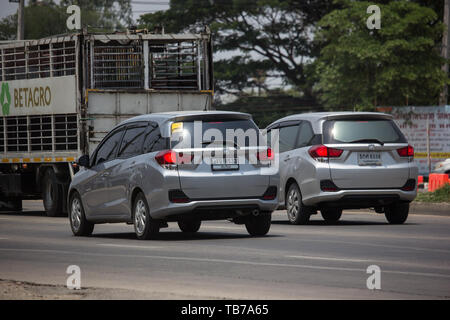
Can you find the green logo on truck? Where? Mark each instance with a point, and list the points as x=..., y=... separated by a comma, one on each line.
x=5, y=98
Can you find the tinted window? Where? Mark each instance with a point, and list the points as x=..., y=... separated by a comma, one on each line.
x=132, y=142
x=242, y=132
x=348, y=131
x=288, y=136
x=153, y=140
x=305, y=135
x=108, y=149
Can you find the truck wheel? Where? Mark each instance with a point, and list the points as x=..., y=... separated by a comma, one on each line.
x=189, y=226
x=144, y=226
x=331, y=215
x=296, y=211
x=397, y=213
x=52, y=194
x=78, y=223
x=258, y=226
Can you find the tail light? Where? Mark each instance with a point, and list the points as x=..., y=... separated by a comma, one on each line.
x=265, y=155
x=170, y=157
x=406, y=151
x=321, y=151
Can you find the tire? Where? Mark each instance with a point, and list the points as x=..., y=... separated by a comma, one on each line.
x=189, y=226
x=144, y=226
x=296, y=211
x=52, y=194
x=331, y=215
x=397, y=213
x=78, y=223
x=258, y=226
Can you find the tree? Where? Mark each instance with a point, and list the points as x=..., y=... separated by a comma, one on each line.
x=398, y=64
x=46, y=18
x=277, y=34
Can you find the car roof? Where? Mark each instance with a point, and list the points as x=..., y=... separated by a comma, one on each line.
x=317, y=116
x=161, y=117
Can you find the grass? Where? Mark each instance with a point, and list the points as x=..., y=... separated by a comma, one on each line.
x=439, y=195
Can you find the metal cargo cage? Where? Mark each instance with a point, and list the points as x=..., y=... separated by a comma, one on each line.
x=149, y=61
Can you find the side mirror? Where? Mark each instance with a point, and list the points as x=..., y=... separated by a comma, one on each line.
x=83, y=161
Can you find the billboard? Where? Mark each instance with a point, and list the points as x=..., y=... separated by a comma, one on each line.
x=413, y=123
x=38, y=96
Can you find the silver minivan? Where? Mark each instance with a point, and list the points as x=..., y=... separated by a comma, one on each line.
x=142, y=174
x=332, y=161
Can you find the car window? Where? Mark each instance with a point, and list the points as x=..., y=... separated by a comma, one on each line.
x=153, y=141
x=288, y=136
x=306, y=134
x=108, y=148
x=350, y=131
x=132, y=142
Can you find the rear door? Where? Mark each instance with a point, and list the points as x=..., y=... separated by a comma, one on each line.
x=96, y=189
x=220, y=174
x=369, y=159
x=126, y=167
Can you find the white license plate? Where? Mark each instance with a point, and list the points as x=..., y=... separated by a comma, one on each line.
x=224, y=164
x=369, y=158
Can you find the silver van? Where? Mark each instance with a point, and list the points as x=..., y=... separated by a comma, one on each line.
x=141, y=174
x=332, y=161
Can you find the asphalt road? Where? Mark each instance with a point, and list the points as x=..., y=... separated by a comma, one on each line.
x=316, y=261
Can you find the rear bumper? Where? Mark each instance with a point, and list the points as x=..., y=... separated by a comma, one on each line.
x=359, y=198
x=213, y=209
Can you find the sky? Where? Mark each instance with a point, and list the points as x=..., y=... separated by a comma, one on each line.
x=138, y=6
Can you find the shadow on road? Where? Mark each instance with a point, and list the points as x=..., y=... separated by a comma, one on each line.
x=180, y=236
x=340, y=223
x=25, y=214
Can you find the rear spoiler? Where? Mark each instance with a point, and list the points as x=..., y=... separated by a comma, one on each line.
x=360, y=115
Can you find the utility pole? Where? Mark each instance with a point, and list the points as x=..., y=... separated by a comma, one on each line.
x=443, y=99
x=20, y=21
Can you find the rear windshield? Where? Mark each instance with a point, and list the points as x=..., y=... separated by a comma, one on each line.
x=352, y=131
x=243, y=133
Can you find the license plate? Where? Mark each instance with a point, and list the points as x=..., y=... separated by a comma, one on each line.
x=224, y=164
x=369, y=158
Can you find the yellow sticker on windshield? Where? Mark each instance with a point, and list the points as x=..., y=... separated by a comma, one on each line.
x=177, y=126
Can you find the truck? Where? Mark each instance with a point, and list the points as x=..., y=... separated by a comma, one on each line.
x=61, y=95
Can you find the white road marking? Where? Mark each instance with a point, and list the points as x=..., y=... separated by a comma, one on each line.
x=329, y=259
x=241, y=262
x=3, y=238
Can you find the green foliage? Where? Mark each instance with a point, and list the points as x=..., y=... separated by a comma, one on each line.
x=396, y=65
x=46, y=18
x=439, y=195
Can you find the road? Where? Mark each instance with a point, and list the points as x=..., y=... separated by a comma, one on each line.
x=315, y=261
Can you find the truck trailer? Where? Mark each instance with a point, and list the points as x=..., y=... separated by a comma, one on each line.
x=61, y=95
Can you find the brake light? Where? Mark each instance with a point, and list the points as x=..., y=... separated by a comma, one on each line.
x=406, y=151
x=321, y=151
x=265, y=155
x=170, y=157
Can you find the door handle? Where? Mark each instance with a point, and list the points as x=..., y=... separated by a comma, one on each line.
x=287, y=158
x=106, y=174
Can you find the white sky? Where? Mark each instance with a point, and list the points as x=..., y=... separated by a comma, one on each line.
x=138, y=6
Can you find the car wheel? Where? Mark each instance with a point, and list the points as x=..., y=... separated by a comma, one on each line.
x=144, y=226
x=258, y=226
x=397, y=213
x=52, y=194
x=331, y=215
x=78, y=223
x=189, y=226
x=296, y=211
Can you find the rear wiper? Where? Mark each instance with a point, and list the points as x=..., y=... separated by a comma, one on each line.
x=368, y=140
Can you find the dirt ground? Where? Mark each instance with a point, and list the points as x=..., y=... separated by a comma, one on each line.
x=19, y=290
